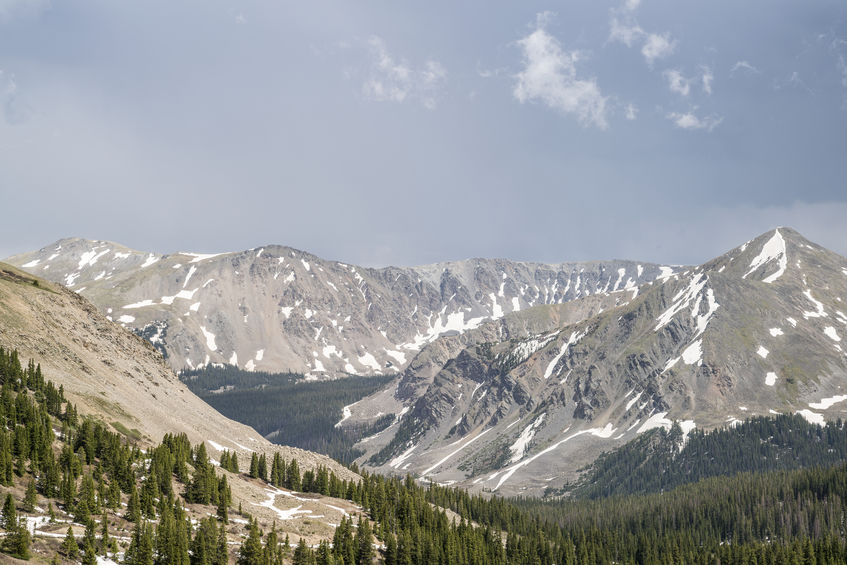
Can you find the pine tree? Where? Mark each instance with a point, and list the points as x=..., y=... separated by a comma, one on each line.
x=140, y=550
x=222, y=554
x=263, y=468
x=133, y=507
x=223, y=500
x=324, y=554
x=250, y=552
x=364, y=543
x=10, y=514
x=292, y=480
x=254, y=466
x=390, y=553
x=19, y=542
x=89, y=554
x=30, y=498
x=302, y=553
x=277, y=471
x=70, y=547
x=105, y=540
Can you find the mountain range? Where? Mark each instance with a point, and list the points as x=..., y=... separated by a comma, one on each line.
x=510, y=377
x=276, y=308
x=521, y=404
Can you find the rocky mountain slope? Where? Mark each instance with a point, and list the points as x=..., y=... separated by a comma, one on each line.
x=275, y=308
x=117, y=377
x=520, y=404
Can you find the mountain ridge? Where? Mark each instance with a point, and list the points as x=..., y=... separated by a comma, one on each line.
x=753, y=331
x=278, y=308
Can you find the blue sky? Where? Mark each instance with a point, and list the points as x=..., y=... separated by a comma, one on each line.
x=407, y=133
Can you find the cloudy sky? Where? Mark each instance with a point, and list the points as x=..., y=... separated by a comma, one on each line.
x=406, y=133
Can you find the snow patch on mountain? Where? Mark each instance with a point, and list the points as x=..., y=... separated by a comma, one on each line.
x=368, y=360
x=772, y=250
x=572, y=340
x=831, y=333
x=210, y=339
x=518, y=448
x=151, y=259
x=682, y=300
x=819, y=310
x=812, y=417
x=827, y=403
x=693, y=353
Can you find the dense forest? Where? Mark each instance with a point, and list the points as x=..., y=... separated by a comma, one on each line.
x=663, y=459
x=286, y=408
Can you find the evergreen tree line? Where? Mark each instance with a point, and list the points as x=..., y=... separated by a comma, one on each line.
x=288, y=409
x=88, y=470
x=658, y=460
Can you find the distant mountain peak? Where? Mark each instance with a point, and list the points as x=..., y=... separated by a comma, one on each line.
x=278, y=308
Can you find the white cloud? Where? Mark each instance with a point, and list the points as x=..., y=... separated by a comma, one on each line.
x=549, y=76
x=631, y=112
x=677, y=83
x=707, y=77
x=690, y=121
x=744, y=66
x=391, y=80
x=658, y=47
x=623, y=28
x=626, y=31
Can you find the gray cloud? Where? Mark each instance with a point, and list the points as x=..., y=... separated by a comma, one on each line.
x=208, y=135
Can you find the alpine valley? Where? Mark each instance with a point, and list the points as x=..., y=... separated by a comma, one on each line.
x=511, y=377
x=554, y=386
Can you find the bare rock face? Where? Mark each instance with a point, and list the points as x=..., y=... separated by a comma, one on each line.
x=522, y=403
x=277, y=309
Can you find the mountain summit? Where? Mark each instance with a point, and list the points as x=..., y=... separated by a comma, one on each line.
x=756, y=331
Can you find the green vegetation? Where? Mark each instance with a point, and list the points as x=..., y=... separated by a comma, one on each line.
x=131, y=434
x=79, y=466
x=89, y=472
x=286, y=408
x=657, y=461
